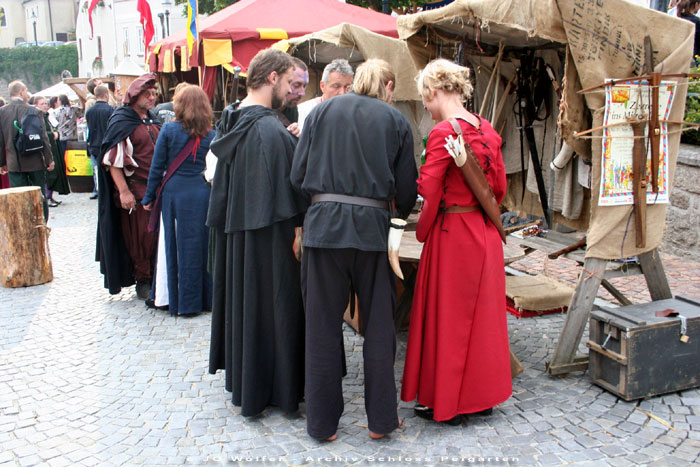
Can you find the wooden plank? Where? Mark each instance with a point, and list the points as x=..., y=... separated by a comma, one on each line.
x=653, y=270
x=639, y=185
x=579, y=309
x=578, y=364
x=619, y=296
x=411, y=249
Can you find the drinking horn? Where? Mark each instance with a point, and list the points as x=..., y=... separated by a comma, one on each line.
x=396, y=228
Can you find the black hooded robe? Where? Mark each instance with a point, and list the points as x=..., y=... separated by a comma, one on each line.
x=258, y=317
x=110, y=250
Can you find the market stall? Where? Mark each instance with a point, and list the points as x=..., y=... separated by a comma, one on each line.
x=531, y=60
x=231, y=37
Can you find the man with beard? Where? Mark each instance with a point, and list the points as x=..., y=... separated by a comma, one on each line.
x=123, y=239
x=258, y=316
x=288, y=113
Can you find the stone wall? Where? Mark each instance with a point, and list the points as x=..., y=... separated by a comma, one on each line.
x=682, y=236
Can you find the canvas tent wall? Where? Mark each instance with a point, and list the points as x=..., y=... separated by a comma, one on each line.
x=232, y=36
x=357, y=44
x=599, y=39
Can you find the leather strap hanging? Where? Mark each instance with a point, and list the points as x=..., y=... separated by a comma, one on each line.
x=476, y=181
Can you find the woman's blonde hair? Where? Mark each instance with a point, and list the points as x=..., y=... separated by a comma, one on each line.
x=371, y=79
x=445, y=75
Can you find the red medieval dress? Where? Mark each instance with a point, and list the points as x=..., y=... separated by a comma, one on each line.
x=458, y=360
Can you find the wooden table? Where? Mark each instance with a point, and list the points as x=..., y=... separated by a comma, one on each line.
x=409, y=256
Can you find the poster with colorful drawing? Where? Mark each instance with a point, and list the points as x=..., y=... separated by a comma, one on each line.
x=623, y=102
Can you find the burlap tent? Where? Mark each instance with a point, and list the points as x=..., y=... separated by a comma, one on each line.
x=357, y=44
x=596, y=40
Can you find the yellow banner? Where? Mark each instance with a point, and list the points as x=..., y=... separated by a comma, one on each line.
x=217, y=51
x=272, y=33
x=78, y=163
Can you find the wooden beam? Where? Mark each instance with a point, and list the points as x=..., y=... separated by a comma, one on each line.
x=653, y=270
x=577, y=315
x=639, y=184
x=624, y=301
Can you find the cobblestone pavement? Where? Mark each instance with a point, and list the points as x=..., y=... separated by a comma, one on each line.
x=92, y=379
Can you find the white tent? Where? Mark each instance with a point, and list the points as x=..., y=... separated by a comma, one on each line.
x=57, y=90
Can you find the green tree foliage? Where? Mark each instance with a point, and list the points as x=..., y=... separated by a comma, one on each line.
x=207, y=6
x=399, y=6
x=692, y=109
x=38, y=67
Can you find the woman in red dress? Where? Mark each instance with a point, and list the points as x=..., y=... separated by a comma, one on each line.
x=457, y=360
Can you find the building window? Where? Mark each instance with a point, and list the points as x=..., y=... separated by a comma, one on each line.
x=3, y=18
x=99, y=46
x=125, y=45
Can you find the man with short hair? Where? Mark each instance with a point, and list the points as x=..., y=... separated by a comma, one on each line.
x=97, y=117
x=122, y=226
x=258, y=315
x=27, y=169
x=336, y=80
x=288, y=113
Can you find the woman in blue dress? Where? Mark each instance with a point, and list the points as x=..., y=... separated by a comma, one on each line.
x=184, y=202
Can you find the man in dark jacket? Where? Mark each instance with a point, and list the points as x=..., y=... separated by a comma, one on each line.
x=258, y=316
x=97, y=117
x=27, y=170
x=354, y=161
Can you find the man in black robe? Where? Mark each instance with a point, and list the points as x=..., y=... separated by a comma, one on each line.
x=125, y=249
x=353, y=162
x=258, y=317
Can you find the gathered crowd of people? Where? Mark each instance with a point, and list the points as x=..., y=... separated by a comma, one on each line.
x=274, y=216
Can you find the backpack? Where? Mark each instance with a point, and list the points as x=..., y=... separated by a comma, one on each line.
x=29, y=139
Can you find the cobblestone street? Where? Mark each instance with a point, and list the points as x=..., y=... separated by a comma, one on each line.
x=92, y=379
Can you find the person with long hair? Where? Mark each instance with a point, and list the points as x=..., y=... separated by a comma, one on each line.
x=185, y=198
x=354, y=162
x=457, y=357
x=687, y=10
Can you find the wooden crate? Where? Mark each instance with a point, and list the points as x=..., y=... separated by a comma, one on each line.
x=636, y=354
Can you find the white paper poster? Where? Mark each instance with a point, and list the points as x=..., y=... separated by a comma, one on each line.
x=624, y=102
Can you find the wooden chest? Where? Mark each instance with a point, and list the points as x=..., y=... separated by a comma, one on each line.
x=635, y=353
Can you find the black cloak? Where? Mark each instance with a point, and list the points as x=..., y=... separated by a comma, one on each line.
x=258, y=317
x=110, y=250
x=56, y=179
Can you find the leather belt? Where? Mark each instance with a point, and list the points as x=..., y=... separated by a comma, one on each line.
x=345, y=199
x=458, y=209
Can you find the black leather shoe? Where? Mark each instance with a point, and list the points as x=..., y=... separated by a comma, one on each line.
x=423, y=412
x=454, y=421
x=93, y=196
x=143, y=289
x=483, y=413
x=52, y=203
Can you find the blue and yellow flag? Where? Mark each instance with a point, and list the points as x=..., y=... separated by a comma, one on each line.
x=192, y=33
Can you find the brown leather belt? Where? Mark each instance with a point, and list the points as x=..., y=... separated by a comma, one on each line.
x=458, y=209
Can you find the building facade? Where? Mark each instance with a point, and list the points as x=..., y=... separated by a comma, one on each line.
x=36, y=20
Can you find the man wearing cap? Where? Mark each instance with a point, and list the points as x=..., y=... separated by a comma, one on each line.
x=125, y=248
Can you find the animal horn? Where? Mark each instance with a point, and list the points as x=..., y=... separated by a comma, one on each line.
x=396, y=229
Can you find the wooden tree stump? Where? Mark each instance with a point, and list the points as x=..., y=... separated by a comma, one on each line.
x=24, y=238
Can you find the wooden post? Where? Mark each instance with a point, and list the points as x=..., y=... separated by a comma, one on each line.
x=653, y=270
x=639, y=185
x=24, y=238
x=581, y=304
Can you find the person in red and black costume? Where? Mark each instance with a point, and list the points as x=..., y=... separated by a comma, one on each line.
x=127, y=151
